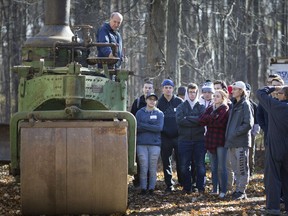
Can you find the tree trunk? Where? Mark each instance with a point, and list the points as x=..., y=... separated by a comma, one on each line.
x=173, y=41
x=156, y=42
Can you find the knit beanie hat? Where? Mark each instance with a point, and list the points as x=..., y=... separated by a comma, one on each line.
x=208, y=87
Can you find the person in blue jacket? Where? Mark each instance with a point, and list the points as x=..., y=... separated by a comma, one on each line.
x=137, y=105
x=261, y=115
x=276, y=162
x=150, y=121
x=108, y=33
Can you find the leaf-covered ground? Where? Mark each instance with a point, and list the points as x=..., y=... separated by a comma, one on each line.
x=177, y=203
x=161, y=203
x=205, y=204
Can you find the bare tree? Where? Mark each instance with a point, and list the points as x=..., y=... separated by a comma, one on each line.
x=156, y=41
x=188, y=41
x=14, y=18
x=173, y=41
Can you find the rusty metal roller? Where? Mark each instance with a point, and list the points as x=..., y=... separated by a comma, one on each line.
x=74, y=168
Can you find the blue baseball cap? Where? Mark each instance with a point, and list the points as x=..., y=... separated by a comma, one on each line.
x=167, y=82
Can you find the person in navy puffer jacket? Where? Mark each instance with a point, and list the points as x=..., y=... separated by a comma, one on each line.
x=150, y=122
x=108, y=33
x=276, y=158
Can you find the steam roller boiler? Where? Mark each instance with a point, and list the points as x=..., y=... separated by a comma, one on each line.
x=72, y=140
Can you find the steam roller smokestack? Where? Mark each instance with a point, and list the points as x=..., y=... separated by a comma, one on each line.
x=57, y=12
x=56, y=25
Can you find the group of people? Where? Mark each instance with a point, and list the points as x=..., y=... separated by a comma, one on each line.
x=214, y=119
x=218, y=120
x=190, y=128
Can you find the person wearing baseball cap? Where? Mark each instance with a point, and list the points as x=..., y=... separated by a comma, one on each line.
x=238, y=138
x=167, y=82
x=150, y=122
x=152, y=95
x=138, y=103
x=239, y=85
x=168, y=103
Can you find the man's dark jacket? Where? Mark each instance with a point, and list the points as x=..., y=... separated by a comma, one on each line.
x=277, y=123
x=169, y=109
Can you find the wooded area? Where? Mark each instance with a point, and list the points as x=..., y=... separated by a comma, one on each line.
x=186, y=40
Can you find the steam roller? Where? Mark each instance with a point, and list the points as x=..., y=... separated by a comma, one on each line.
x=72, y=140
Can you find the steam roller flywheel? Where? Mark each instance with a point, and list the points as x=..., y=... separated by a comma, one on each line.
x=73, y=167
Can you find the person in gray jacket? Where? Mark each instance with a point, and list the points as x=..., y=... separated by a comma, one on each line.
x=238, y=138
x=150, y=121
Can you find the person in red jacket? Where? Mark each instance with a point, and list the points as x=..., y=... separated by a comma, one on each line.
x=215, y=118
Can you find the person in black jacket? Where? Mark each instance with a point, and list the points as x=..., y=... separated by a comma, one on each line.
x=191, y=139
x=262, y=116
x=138, y=103
x=276, y=161
x=168, y=103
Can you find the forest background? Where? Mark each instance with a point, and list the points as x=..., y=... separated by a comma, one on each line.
x=186, y=40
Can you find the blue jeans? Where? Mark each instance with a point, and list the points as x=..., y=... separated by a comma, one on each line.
x=187, y=151
x=167, y=147
x=148, y=160
x=218, y=169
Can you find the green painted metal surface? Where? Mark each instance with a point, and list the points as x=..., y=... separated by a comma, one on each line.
x=63, y=93
x=58, y=87
x=58, y=80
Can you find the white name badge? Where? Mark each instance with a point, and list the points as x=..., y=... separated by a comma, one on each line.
x=153, y=117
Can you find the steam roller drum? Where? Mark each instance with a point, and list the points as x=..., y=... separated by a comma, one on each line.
x=75, y=167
